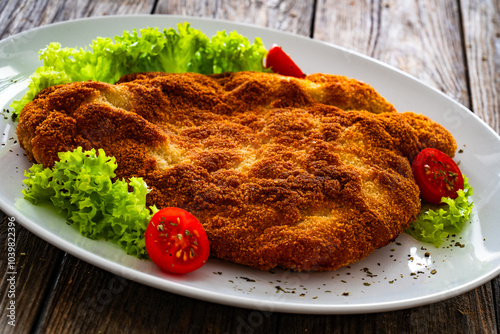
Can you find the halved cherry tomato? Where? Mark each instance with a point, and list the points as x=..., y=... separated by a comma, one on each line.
x=281, y=63
x=176, y=241
x=437, y=175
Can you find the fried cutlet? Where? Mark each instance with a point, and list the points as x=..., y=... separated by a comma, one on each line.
x=303, y=174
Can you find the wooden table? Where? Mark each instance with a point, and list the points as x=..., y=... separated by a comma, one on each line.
x=453, y=45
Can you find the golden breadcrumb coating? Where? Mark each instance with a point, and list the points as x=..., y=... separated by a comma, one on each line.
x=303, y=174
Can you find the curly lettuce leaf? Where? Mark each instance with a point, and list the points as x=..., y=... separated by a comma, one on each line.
x=435, y=223
x=82, y=188
x=169, y=50
x=40, y=79
x=230, y=53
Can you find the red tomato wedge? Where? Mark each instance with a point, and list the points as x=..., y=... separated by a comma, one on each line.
x=437, y=175
x=176, y=241
x=279, y=62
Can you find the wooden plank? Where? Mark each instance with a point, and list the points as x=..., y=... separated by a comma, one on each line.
x=420, y=37
x=291, y=16
x=38, y=261
x=481, y=21
x=496, y=296
x=35, y=262
x=87, y=299
x=97, y=301
x=450, y=316
x=17, y=16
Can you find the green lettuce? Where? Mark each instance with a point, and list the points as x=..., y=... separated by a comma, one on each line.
x=230, y=53
x=435, y=223
x=82, y=188
x=169, y=50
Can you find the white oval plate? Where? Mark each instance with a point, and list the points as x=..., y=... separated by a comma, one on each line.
x=395, y=277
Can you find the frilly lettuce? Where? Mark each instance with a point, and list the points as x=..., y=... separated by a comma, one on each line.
x=230, y=53
x=81, y=187
x=183, y=50
x=436, y=223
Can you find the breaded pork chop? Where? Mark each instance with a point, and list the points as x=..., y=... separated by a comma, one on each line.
x=303, y=174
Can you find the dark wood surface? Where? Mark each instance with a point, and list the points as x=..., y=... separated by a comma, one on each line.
x=453, y=45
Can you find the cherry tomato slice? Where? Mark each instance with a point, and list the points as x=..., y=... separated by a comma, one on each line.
x=281, y=63
x=437, y=175
x=176, y=241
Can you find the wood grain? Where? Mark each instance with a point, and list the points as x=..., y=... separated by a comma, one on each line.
x=481, y=31
x=84, y=293
x=291, y=16
x=482, y=48
x=438, y=42
x=456, y=315
x=420, y=37
x=100, y=302
x=36, y=263
x=17, y=16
